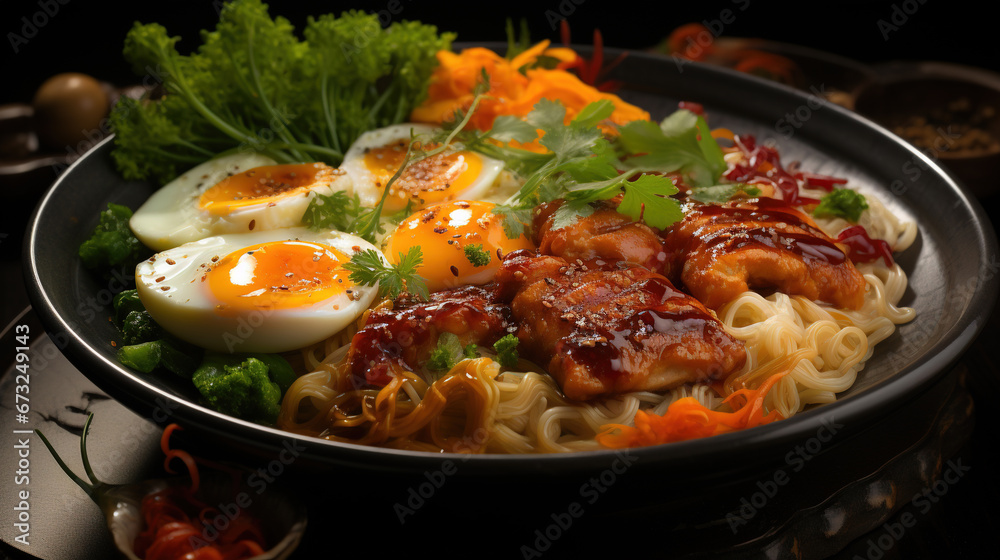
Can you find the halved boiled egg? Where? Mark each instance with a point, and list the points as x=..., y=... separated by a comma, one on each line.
x=232, y=194
x=267, y=291
x=462, y=242
x=377, y=154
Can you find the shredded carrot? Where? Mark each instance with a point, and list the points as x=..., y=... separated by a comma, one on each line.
x=723, y=133
x=184, y=456
x=177, y=523
x=686, y=419
x=512, y=92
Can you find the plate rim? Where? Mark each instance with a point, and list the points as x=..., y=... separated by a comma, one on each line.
x=85, y=356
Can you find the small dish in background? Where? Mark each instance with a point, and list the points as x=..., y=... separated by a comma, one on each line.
x=834, y=78
x=950, y=112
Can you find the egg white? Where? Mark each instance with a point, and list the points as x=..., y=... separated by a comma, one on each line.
x=171, y=288
x=172, y=217
x=364, y=181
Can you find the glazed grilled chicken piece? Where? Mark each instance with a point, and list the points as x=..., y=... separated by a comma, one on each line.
x=718, y=252
x=602, y=328
x=605, y=234
x=405, y=336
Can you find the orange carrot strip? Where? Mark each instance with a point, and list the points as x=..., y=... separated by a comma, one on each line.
x=688, y=419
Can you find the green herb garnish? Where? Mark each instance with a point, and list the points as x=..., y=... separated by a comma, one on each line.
x=368, y=269
x=506, y=349
x=448, y=352
x=842, y=203
x=253, y=84
x=477, y=255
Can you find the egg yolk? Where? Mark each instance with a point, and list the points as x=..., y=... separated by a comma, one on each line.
x=433, y=179
x=452, y=236
x=265, y=184
x=278, y=275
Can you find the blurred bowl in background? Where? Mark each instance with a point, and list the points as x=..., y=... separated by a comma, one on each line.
x=949, y=111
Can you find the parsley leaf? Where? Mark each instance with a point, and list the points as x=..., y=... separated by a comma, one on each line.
x=477, y=255
x=648, y=199
x=516, y=219
x=368, y=269
x=842, y=203
x=681, y=142
x=449, y=351
x=506, y=349
x=336, y=211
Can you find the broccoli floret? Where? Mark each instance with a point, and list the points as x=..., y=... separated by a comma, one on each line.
x=133, y=320
x=142, y=357
x=112, y=243
x=126, y=302
x=138, y=327
x=147, y=346
x=506, y=349
x=245, y=386
x=167, y=353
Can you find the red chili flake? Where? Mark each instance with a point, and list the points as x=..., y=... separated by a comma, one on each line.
x=454, y=270
x=695, y=108
x=252, y=224
x=171, y=261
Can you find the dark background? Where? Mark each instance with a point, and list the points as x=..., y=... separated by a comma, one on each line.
x=86, y=35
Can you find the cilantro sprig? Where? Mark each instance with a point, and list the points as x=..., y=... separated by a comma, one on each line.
x=448, y=352
x=581, y=166
x=368, y=269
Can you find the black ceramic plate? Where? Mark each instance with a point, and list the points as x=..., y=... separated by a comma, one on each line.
x=952, y=269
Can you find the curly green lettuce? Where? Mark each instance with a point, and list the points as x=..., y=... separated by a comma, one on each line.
x=254, y=85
